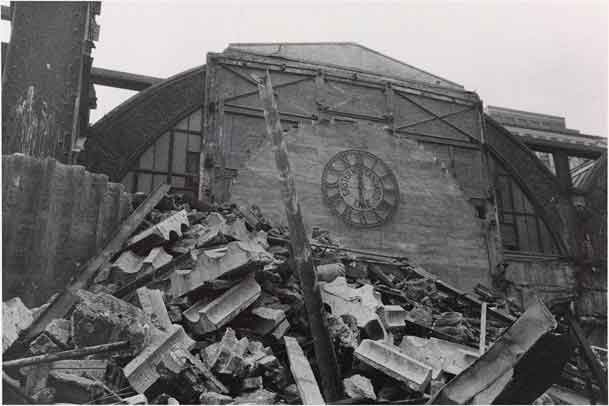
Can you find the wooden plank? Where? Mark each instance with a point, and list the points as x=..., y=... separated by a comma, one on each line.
x=324, y=350
x=70, y=354
x=482, y=347
x=64, y=301
x=303, y=374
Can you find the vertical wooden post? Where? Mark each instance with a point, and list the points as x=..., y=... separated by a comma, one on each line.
x=482, y=346
x=324, y=351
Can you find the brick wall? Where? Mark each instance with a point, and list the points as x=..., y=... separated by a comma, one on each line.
x=434, y=226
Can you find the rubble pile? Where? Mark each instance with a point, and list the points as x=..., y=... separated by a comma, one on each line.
x=202, y=306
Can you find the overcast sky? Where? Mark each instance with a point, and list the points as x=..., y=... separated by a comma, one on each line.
x=542, y=56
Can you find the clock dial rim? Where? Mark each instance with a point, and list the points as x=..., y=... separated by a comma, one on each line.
x=334, y=199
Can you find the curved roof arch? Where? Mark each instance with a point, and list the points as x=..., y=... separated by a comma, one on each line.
x=117, y=140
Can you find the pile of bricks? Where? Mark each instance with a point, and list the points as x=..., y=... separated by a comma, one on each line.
x=203, y=307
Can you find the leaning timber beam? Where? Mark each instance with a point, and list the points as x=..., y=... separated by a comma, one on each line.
x=324, y=350
x=484, y=380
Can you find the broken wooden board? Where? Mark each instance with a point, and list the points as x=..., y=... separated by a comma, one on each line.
x=92, y=368
x=206, y=317
x=440, y=355
x=235, y=257
x=302, y=373
x=16, y=317
x=172, y=227
x=170, y=348
x=151, y=302
x=481, y=376
x=391, y=361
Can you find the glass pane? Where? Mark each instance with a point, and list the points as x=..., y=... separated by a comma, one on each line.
x=179, y=152
x=161, y=153
x=147, y=158
x=144, y=182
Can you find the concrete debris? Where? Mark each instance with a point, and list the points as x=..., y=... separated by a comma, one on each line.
x=206, y=317
x=213, y=398
x=362, y=303
x=266, y=319
x=226, y=324
x=236, y=256
x=71, y=388
x=259, y=397
x=329, y=272
x=392, y=316
x=170, y=228
x=359, y=387
x=391, y=361
x=59, y=330
x=16, y=317
x=170, y=348
x=486, y=378
x=441, y=355
x=151, y=301
x=302, y=373
x=102, y=318
x=139, y=399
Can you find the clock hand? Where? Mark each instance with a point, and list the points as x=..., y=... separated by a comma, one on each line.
x=360, y=186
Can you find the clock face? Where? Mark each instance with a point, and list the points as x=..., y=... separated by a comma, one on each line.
x=360, y=188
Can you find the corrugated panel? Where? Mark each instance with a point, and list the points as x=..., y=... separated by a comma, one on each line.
x=54, y=218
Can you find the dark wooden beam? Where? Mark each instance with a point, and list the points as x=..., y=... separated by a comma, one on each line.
x=122, y=80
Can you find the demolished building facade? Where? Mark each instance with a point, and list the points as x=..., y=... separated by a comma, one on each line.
x=387, y=158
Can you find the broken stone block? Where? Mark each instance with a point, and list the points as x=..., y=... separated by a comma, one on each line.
x=358, y=386
x=175, y=313
x=440, y=355
x=329, y=272
x=361, y=303
x=89, y=368
x=393, y=316
x=151, y=301
x=263, y=320
x=171, y=227
x=157, y=258
x=344, y=331
x=302, y=373
x=127, y=265
x=214, y=398
x=236, y=257
x=59, y=330
x=259, y=397
x=251, y=383
x=16, y=317
x=394, y=363
x=227, y=357
x=205, y=317
x=102, y=318
x=169, y=348
x=72, y=388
